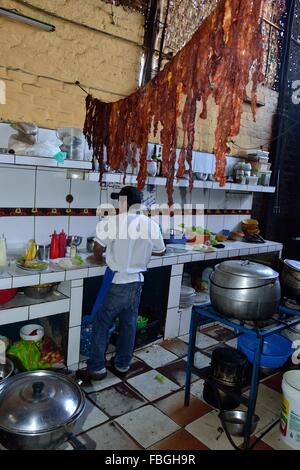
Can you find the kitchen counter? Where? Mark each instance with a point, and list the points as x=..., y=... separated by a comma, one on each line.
x=69, y=299
x=13, y=276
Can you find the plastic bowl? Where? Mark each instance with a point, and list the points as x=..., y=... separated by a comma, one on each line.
x=27, y=329
x=276, y=350
x=7, y=294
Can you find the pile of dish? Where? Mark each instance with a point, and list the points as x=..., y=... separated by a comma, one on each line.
x=187, y=296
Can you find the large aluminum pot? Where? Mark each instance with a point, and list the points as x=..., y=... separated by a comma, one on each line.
x=38, y=410
x=245, y=290
x=290, y=279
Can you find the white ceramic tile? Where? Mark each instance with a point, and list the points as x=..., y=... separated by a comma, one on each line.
x=97, y=385
x=169, y=260
x=232, y=343
x=84, y=226
x=17, y=187
x=198, y=257
x=222, y=254
x=52, y=187
x=96, y=271
x=29, y=280
x=86, y=194
x=77, y=274
x=13, y=315
x=185, y=320
x=155, y=263
x=233, y=253
x=184, y=258
x=232, y=201
x=174, y=291
x=231, y=222
x=155, y=356
x=202, y=340
x=52, y=277
x=151, y=388
x=45, y=226
x=177, y=269
x=201, y=196
x=274, y=439
x=217, y=199
x=158, y=425
x=35, y=161
x=215, y=223
x=92, y=417
x=212, y=255
x=76, y=306
x=109, y=436
x=8, y=159
x=77, y=283
x=6, y=282
x=49, y=308
x=73, y=345
x=197, y=389
x=17, y=230
x=200, y=360
x=206, y=430
x=244, y=252
x=269, y=399
x=172, y=323
x=246, y=201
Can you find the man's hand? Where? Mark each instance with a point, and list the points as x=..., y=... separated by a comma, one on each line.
x=98, y=252
x=162, y=253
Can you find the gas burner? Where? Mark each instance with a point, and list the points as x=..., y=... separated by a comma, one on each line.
x=261, y=324
x=290, y=303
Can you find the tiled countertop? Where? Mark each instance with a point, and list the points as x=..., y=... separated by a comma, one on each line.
x=15, y=277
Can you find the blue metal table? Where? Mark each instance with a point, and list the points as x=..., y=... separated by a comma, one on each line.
x=285, y=318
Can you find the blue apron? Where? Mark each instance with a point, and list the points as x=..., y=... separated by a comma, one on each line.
x=85, y=340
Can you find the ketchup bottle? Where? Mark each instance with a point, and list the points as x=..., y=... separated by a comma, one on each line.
x=62, y=243
x=54, y=246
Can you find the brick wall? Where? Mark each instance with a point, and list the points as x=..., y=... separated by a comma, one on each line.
x=107, y=67
x=99, y=62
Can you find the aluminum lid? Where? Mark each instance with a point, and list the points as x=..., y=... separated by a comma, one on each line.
x=247, y=269
x=39, y=401
x=291, y=263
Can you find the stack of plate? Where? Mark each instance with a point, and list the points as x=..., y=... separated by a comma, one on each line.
x=187, y=295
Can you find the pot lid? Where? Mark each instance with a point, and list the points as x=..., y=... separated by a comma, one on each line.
x=39, y=401
x=247, y=269
x=291, y=263
x=186, y=291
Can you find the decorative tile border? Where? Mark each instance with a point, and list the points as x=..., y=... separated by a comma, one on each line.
x=46, y=212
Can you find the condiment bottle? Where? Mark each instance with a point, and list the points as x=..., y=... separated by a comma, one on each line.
x=54, y=246
x=73, y=250
x=3, y=251
x=62, y=242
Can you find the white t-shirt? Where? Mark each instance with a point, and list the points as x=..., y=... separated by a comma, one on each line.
x=129, y=239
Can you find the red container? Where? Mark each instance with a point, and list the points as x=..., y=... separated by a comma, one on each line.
x=7, y=294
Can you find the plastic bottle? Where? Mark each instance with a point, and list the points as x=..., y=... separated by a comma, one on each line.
x=54, y=246
x=3, y=251
x=62, y=242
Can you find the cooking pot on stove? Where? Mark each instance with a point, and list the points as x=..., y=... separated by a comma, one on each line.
x=38, y=410
x=290, y=279
x=229, y=367
x=245, y=290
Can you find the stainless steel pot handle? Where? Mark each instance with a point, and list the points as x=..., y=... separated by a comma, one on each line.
x=241, y=288
x=75, y=443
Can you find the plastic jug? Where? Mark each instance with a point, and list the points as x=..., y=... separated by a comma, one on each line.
x=3, y=251
x=54, y=246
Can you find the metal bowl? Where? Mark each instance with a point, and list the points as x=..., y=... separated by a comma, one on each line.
x=39, y=292
x=235, y=421
x=74, y=239
x=6, y=370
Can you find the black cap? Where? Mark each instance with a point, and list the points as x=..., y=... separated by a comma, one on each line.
x=134, y=196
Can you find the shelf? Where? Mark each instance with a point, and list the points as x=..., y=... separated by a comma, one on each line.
x=183, y=183
x=12, y=159
x=22, y=308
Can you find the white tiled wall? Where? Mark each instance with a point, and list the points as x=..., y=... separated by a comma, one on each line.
x=17, y=187
x=44, y=226
x=52, y=187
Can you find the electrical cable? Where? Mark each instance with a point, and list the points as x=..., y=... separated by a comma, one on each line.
x=77, y=23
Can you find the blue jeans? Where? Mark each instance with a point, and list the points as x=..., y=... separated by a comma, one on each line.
x=122, y=300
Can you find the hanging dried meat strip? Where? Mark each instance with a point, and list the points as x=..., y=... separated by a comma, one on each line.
x=223, y=55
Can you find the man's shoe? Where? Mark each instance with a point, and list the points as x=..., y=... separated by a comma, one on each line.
x=120, y=372
x=87, y=375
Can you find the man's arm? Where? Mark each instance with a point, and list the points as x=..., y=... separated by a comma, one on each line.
x=98, y=252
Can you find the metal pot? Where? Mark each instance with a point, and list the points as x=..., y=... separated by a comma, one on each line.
x=90, y=243
x=229, y=367
x=290, y=279
x=245, y=290
x=38, y=410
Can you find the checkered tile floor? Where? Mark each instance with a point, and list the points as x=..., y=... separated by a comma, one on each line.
x=146, y=409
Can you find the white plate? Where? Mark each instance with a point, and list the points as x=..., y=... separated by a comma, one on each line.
x=32, y=269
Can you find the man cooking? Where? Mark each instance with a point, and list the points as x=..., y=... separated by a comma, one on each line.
x=129, y=239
